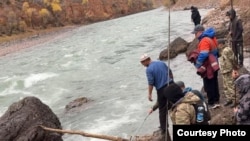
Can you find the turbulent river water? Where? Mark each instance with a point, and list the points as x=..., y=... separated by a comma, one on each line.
x=101, y=62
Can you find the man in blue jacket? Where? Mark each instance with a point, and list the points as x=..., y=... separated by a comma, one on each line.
x=159, y=76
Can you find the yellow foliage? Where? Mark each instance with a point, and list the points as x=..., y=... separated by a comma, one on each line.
x=44, y=12
x=11, y=17
x=56, y=7
x=30, y=11
x=22, y=25
x=25, y=6
x=46, y=2
x=85, y=1
x=56, y=1
x=129, y=2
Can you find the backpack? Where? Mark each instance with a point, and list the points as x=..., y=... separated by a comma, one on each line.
x=201, y=109
x=202, y=113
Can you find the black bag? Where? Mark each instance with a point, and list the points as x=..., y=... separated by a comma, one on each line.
x=202, y=113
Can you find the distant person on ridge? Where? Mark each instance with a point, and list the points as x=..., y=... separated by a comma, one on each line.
x=195, y=15
x=235, y=30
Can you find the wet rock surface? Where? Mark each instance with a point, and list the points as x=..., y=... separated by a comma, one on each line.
x=22, y=119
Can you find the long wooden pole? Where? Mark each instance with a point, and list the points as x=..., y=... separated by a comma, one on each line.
x=167, y=124
x=106, y=137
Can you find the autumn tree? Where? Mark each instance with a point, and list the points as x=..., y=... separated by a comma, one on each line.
x=54, y=6
x=44, y=14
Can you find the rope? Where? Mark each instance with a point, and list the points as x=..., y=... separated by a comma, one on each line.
x=139, y=128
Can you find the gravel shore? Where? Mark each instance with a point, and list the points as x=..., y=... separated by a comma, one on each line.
x=14, y=43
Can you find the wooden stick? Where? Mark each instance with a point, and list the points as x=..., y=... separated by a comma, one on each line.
x=106, y=137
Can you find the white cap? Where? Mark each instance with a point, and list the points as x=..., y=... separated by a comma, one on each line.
x=144, y=57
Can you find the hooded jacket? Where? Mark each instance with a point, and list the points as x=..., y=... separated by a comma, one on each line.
x=235, y=26
x=207, y=45
x=183, y=112
x=243, y=113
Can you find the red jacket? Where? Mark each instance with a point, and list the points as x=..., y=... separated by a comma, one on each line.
x=208, y=67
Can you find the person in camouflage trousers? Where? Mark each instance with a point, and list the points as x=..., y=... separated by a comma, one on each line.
x=227, y=63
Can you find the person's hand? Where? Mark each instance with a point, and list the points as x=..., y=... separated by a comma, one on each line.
x=150, y=111
x=230, y=33
x=150, y=97
x=235, y=110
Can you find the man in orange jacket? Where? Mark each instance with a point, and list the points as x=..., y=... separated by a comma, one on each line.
x=208, y=45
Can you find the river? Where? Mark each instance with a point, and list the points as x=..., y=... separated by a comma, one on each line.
x=99, y=61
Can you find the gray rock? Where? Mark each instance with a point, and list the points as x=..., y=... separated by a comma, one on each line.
x=22, y=119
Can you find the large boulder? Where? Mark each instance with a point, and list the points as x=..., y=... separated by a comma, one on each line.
x=22, y=119
x=192, y=46
x=179, y=45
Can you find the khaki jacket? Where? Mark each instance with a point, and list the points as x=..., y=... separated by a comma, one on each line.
x=183, y=112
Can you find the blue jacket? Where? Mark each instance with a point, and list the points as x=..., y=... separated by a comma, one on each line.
x=157, y=74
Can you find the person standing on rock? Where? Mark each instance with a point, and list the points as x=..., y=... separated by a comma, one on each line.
x=195, y=15
x=158, y=76
x=227, y=64
x=241, y=112
x=235, y=30
x=208, y=45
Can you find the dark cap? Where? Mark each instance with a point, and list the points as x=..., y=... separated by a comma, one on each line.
x=180, y=84
x=198, y=28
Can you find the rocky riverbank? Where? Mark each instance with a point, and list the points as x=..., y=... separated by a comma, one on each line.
x=41, y=37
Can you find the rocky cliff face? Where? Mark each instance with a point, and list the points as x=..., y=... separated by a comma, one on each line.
x=18, y=16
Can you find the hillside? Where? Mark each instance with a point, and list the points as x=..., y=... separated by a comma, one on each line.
x=19, y=17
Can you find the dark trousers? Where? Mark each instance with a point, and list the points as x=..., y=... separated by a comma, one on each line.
x=162, y=101
x=211, y=87
x=196, y=23
x=237, y=47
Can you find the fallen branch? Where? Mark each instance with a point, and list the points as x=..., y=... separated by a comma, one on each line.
x=106, y=137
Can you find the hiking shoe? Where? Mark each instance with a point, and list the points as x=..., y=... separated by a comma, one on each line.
x=213, y=106
x=228, y=103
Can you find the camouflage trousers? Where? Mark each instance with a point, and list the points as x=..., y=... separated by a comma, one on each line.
x=228, y=87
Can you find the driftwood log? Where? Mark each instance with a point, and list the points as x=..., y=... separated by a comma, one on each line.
x=99, y=136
